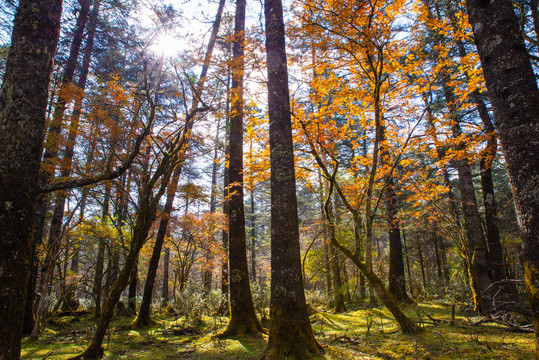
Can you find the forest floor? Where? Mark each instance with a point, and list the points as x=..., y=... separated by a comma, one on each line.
x=369, y=333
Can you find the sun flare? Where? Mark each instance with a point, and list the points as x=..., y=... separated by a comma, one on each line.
x=167, y=45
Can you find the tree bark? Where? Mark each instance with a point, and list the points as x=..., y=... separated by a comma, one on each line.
x=166, y=261
x=207, y=275
x=407, y=253
x=290, y=328
x=253, y=237
x=422, y=264
x=132, y=290
x=397, y=279
x=224, y=260
x=338, y=296
x=487, y=156
x=97, y=290
x=50, y=158
x=396, y=276
x=513, y=92
x=65, y=95
x=243, y=318
x=477, y=247
x=23, y=103
x=143, y=317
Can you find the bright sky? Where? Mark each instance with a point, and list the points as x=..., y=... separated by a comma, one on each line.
x=194, y=22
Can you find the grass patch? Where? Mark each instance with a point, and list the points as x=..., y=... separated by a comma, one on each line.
x=358, y=334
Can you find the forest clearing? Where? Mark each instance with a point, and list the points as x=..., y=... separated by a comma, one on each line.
x=356, y=334
x=270, y=180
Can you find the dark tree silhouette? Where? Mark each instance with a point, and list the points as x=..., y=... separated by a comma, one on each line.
x=23, y=102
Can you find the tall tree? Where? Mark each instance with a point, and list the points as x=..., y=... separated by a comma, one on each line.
x=396, y=278
x=242, y=312
x=290, y=327
x=23, y=104
x=513, y=92
x=52, y=146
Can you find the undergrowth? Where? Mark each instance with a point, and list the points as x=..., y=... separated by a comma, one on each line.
x=360, y=333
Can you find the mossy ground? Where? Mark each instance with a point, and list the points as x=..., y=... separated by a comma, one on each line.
x=358, y=334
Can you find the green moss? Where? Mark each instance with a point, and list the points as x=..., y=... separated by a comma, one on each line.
x=344, y=337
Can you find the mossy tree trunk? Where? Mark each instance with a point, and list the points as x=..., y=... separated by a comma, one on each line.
x=290, y=328
x=23, y=103
x=243, y=318
x=514, y=95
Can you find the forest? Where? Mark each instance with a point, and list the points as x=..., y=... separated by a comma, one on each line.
x=340, y=179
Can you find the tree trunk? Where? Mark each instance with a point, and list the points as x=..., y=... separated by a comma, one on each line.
x=290, y=327
x=143, y=317
x=65, y=95
x=338, y=295
x=37, y=240
x=396, y=277
x=224, y=260
x=113, y=266
x=41, y=208
x=207, y=275
x=23, y=103
x=253, y=237
x=49, y=158
x=487, y=156
x=132, y=290
x=410, y=282
x=435, y=241
x=407, y=325
x=242, y=312
x=144, y=220
x=422, y=264
x=100, y=260
x=166, y=261
x=397, y=280
x=513, y=92
x=477, y=247
x=345, y=278
x=334, y=266
x=329, y=293
x=477, y=253
x=75, y=118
